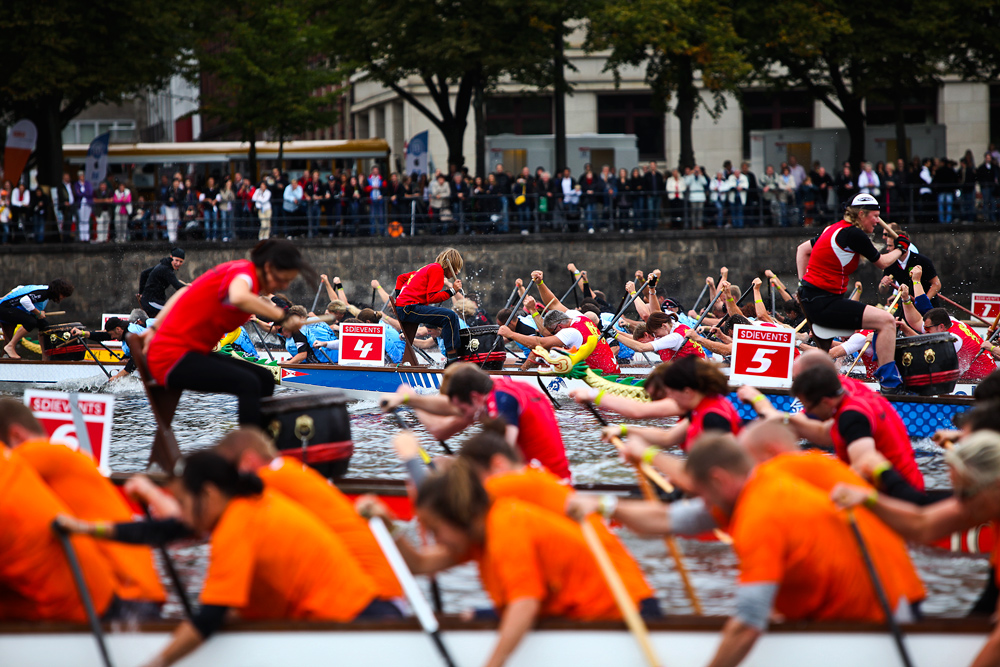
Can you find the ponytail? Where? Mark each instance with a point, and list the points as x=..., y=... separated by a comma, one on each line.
x=455, y=495
x=206, y=466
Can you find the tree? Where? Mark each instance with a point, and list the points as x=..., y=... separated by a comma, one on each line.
x=453, y=49
x=677, y=40
x=62, y=56
x=265, y=70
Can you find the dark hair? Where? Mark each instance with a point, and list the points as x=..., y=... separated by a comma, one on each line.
x=282, y=254
x=938, y=316
x=460, y=380
x=988, y=388
x=590, y=308
x=657, y=320
x=480, y=449
x=504, y=315
x=727, y=326
x=60, y=289
x=716, y=450
x=456, y=495
x=688, y=372
x=351, y=320
x=986, y=415
x=206, y=466
x=115, y=323
x=14, y=412
x=816, y=384
x=369, y=316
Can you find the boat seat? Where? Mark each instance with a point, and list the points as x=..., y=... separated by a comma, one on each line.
x=826, y=333
x=163, y=403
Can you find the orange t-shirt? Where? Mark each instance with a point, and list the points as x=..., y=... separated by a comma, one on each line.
x=36, y=583
x=540, y=487
x=75, y=479
x=533, y=553
x=788, y=532
x=311, y=490
x=887, y=548
x=272, y=559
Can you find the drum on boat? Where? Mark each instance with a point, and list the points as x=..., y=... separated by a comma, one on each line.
x=478, y=347
x=58, y=344
x=928, y=363
x=314, y=428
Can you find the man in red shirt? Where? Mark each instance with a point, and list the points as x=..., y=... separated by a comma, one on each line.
x=569, y=333
x=418, y=289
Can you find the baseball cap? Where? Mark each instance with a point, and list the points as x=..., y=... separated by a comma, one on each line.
x=865, y=201
x=672, y=303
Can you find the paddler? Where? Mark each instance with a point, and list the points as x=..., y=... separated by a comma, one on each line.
x=825, y=265
x=419, y=289
x=797, y=555
x=666, y=336
x=114, y=329
x=271, y=559
x=90, y=496
x=181, y=339
x=154, y=281
x=469, y=394
x=972, y=365
x=25, y=305
x=569, y=333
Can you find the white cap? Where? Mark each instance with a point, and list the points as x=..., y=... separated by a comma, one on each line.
x=865, y=200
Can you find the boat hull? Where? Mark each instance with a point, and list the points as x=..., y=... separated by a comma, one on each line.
x=28, y=372
x=687, y=643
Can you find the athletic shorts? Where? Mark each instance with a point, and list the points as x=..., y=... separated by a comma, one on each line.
x=826, y=309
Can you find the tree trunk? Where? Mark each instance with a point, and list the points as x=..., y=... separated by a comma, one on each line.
x=479, y=108
x=454, y=136
x=251, y=136
x=559, y=100
x=854, y=119
x=49, y=149
x=897, y=107
x=687, y=103
x=281, y=152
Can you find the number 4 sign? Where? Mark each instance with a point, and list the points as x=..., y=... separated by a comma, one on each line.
x=362, y=345
x=762, y=356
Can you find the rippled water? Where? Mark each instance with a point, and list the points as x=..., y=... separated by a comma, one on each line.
x=953, y=582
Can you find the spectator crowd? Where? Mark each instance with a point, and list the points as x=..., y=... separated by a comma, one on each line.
x=343, y=203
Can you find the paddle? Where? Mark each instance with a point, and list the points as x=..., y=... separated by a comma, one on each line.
x=700, y=297
x=316, y=300
x=701, y=319
x=422, y=610
x=93, y=356
x=81, y=587
x=175, y=577
x=993, y=327
x=642, y=472
x=374, y=291
x=629, y=302
x=964, y=309
x=260, y=335
x=888, y=230
x=868, y=342
x=510, y=318
x=572, y=289
x=626, y=605
x=983, y=349
x=771, y=291
x=110, y=351
x=403, y=426
x=897, y=633
x=738, y=302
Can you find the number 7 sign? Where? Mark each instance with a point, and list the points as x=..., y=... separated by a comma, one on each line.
x=762, y=356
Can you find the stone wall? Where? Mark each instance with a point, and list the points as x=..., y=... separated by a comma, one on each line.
x=106, y=276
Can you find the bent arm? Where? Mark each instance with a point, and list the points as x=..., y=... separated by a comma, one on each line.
x=737, y=640
x=802, y=254
x=632, y=409
x=516, y=621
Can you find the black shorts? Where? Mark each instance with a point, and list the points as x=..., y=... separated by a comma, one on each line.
x=14, y=316
x=826, y=309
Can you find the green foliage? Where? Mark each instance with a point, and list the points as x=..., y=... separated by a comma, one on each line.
x=264, y=68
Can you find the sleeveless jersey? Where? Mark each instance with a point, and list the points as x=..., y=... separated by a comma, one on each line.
x=971, y=344
x=688, y=348
x=602, y=358
x=718, y=405
x=538, y=435
x=891, y=439
x=830, y=266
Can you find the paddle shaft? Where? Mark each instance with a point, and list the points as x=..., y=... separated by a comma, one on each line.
x=888, y=230
x=700, y=297
x=510, y=318
x=261, y=336
x=572, y=287
x=990, y=339
x=631, y=299
x=711, y=305
x=175, y=577
x=738, y=302
x=890, y=620
x=773, y=293
x=110, y=351
x=93, y=356
x=626, y=605
x=81, y=587
x=374, y=292
x=316, y=299
x=965, y=310
x=864, y=348
x=422, y=610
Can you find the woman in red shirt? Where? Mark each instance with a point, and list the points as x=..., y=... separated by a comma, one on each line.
x=179, y=343
x=420, y=288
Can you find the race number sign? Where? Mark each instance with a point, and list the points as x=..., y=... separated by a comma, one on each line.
x=987, y=306
x=762, y=356
x=54, y=410
x=362, y=345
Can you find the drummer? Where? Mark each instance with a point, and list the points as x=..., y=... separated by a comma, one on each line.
x=825, y=265
x=25, y=305
x=181, y=339
x=419, y=289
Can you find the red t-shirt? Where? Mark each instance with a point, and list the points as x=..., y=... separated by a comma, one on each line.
x=971, y=345
x=717, y=409
x=422, y=286
x=835, y=256
x=200, y=317
x=538, y=435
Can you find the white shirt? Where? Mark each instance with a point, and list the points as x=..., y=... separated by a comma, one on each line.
x=18, y=198
x=570, y=337
x=672, y=341
x=262, y=199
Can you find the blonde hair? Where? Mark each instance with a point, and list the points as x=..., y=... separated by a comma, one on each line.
x=449, y=257
x=976, y=458
x=466, y=308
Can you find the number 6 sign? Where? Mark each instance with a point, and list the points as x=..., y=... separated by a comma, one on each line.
x=762, y=356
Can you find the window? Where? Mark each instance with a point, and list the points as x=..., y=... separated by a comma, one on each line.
x=919, y=107
x=633, y=114
x=774, y=110
x=530, y=114
x=994, y=115
x=85, y=131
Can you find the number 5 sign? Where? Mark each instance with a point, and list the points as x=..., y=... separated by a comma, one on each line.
x=762, y=356
x=362, y=345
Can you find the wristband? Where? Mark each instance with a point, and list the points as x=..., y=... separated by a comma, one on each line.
x=100, y=530
x=631, y=293
x=576, y=273
x=758, y=300
x=623, y=430
x=607, y=504
x=338, y=285
x=757, y=399
x=871, y=499
x=406, y=399
x=597, y=399
x=650, y=454
x=879, y=469
x=730, y=299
